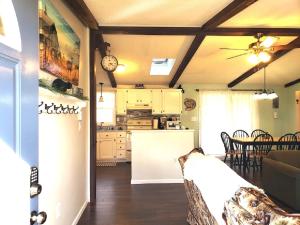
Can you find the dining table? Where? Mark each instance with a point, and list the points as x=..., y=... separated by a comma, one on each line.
x=248, y=143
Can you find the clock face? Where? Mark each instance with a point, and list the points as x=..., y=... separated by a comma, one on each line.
x=109, y=63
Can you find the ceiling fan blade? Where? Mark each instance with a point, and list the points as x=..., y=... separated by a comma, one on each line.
x=239, y=49
x=284, y=47
x=269, y=41
x=237, y=56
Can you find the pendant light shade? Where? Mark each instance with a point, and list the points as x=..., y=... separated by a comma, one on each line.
x=101, y=99
x=265, y=94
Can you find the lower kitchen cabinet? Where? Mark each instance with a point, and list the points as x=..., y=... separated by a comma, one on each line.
x=106, y=149
x=111, y=146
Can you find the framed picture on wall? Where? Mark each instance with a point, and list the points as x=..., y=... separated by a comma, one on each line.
x=59, y=44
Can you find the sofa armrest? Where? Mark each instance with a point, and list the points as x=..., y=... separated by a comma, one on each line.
x=283, y=168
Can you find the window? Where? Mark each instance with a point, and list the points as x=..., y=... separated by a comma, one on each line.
x=224, y=111
x=106, y=111
x=161, y=66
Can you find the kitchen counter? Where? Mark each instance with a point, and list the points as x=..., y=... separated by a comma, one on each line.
x=155, y=155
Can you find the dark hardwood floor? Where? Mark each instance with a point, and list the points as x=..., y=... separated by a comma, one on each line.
x=120, y=203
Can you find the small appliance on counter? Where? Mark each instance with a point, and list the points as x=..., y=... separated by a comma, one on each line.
x=155, y=123
x=173, y=125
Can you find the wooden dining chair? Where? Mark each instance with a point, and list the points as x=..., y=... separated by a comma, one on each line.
x=229, y=150
x=287, y=138
x=240, y=133
x=297, y=134
x=260, y=150
x=257, y=132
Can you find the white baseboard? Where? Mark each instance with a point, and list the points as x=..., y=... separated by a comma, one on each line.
x=77, y=218
x=158, y=181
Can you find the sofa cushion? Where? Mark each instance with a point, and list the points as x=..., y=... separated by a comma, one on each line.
x=252, y=206
x=289, y=157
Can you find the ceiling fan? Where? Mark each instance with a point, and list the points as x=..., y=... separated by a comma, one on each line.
x=262, y=49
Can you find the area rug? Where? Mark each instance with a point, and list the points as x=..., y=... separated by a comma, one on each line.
x=100, y=163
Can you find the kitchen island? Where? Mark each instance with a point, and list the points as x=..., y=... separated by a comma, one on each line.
x=155, y=155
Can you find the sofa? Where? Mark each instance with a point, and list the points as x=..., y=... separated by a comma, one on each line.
x=247, y=205
x=281, y=177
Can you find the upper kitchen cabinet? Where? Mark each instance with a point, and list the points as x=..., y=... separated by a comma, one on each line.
x=139, y=96
x=121, y=101
x=157, y=106
x=172, y=101
x=161, y=101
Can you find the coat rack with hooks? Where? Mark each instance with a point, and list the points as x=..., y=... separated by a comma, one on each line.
x=52, y=108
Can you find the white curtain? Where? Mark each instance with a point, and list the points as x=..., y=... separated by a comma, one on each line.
x=224, y=111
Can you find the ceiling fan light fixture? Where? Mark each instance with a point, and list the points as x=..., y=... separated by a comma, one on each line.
x=268, y=42
x=253, y=59
x=264, y=57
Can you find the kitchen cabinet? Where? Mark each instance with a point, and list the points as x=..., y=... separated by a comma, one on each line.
x=106, y=149
x=161, y=101
x=111, y=146
x=172, y=101
x=121, y=101
x=166, y=101
x=139, y=96
x=157, y=102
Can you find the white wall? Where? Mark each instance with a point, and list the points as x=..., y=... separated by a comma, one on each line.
x=64, y=146
x=155, y=155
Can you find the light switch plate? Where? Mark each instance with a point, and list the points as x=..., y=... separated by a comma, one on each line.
x=275, y=115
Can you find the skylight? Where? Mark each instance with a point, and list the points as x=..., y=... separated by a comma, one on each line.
x=161, y=66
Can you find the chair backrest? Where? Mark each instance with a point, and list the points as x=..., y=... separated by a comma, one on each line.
x=240, y=133
x=287, y=138
x=226, y=141
x=257, y=132
x=297, y=134
x=265, y=147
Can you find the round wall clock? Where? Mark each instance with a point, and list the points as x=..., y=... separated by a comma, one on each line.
x=109, y=63
x=189, y=104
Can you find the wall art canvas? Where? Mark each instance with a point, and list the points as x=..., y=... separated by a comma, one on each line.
x=59, y=44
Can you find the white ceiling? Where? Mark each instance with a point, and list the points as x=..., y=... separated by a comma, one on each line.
x=154, y=12
x=209, y=64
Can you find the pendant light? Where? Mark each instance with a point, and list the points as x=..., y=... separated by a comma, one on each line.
x=265, y=94
x=101, y=97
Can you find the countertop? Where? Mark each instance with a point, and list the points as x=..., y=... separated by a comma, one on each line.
x=157, y=131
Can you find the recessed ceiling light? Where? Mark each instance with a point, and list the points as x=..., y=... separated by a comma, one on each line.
x=161, y=66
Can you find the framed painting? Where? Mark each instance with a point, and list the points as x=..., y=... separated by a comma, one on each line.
x=59, y=44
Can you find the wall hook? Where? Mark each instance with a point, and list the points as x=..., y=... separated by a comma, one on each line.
x=47, y=108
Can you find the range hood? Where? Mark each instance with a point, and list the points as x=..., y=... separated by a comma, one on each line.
x=139, y=106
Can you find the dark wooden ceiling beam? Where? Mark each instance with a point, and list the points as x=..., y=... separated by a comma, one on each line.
x=237, y=31
x=229, y=11
x=292, y=83
x=82, y=12
x=250, y=72
x=188, y=31
x=102, y=50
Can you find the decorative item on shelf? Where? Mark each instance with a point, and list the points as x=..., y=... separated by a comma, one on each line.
x=61, y=85
x=265, y=94
x=101, y=97
x=180, y=87
x=76, y=92
x=189, y=104
x=109, y=62
x=297, y=101
x=139, y=86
